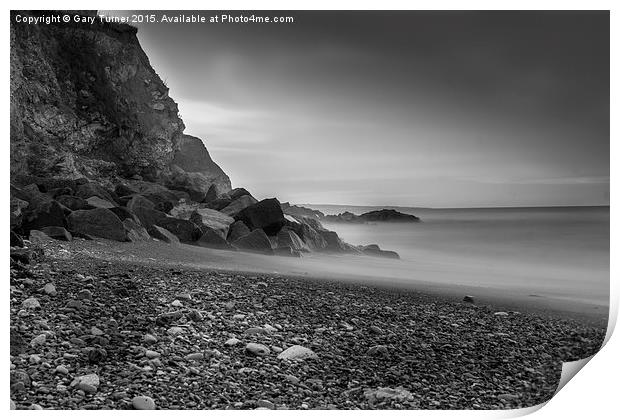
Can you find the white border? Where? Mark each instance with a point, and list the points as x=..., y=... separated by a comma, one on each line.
x=591, y=395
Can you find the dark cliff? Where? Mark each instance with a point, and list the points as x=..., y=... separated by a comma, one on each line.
x=85, y=102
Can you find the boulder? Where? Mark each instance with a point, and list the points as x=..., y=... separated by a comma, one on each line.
x=185, y=230
x=255, y=241
x=56, y=192
x=57, y=232
x=219, y=203
x=237, y=230
x=92, y=189
x=297, y=352
x=212, y=239
x=334, y=243
x=162, y=234
x=211, y=194
x=43, y=213
x=388, y=215
x=236, y=193
x=311, y=237
x=99, y=202
x=238, y=205
x=135, y=231
x=213, y=219
x=99, y=222
x=287, y=237
x=266, y=215
x=123, y=213
x=145, y=211
x=123, y=190
x=73, y=202
x=163, y=201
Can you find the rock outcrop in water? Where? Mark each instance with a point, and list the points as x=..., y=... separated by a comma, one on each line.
x=385, y=215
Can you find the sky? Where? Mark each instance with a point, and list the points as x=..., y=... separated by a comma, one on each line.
x=428, y=109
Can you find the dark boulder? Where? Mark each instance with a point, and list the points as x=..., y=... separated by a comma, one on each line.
x=99, y=202
x=123, y=190
x=334, y=243
x=57, y=232
x=238, y=205
x=219, y=203
x=99, y=222
x=43, y=213
x=255, y=241
x=212, y=239
x=237, y=230
x=123, y=213
x=163, y=234
x=266, y=215
x=73, y=202
x=211, y=194
x=164, y=201
x=185, y=230
x=56, y=192
x=145, y=211
x=237, y=193
x=209, y=218
x=92, y=189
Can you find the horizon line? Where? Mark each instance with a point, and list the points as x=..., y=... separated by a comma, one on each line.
x=386, y=206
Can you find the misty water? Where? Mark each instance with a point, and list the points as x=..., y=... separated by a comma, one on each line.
x=559, y=253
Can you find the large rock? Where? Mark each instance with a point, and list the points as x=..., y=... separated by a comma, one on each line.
x=388, y=215
x=192, y=157
x=287, y=237
x=266, y=215
x=57, y=232
x=92, y=189
x=124, y=213
x=73, y=202
x=145, y=211
x=100, y=202
x=212, y=239
x=43, y=213
x=97, y=222
x=237, y=230
x=237, y=193
x=213, y=219
x=219, y=203
x=311, y=237
x=334, y=243
x=297, y=352
x=255, y=241
x=238, y=205
x=162, y=234
x=185, y=230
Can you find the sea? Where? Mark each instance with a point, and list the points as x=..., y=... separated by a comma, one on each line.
x=555, y=252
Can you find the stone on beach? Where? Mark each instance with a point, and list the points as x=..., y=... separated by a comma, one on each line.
x=143, y=402
x=257, y=349
x=99, y=222
x=297, y=352
x=255, y=241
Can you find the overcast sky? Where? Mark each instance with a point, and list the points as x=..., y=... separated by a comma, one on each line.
x=438, y=109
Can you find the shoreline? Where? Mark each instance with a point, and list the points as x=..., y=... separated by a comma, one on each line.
x=373, y=347
x=251, y=264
